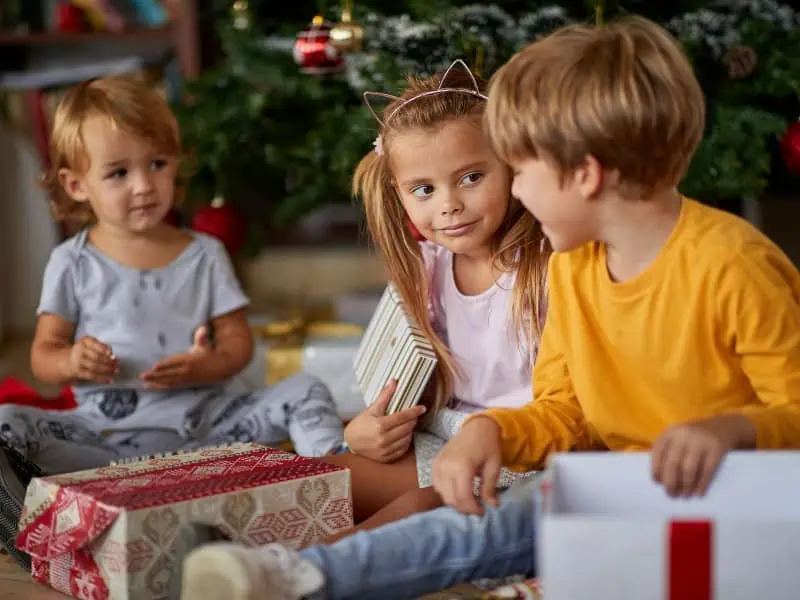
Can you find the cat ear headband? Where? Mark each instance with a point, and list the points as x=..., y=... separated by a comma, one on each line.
x=443, y=87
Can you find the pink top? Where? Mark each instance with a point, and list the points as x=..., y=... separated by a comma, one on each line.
x=494, y=365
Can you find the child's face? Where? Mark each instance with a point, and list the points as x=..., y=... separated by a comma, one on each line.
x=453, y=187
x=567, y=210
x=129, y=185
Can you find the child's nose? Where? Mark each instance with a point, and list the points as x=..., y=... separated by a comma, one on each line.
x=451, y=203
x=142, y=183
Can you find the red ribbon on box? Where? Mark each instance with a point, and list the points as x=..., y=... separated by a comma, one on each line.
x=690, y=560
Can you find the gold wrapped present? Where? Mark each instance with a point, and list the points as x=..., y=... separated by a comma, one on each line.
x=323, y=348
x=286, y=343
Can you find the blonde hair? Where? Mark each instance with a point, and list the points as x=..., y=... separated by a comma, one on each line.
x=518, y=245
x=131, y=105
x=624, y=93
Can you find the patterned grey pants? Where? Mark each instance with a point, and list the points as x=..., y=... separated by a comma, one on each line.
x=299, y=408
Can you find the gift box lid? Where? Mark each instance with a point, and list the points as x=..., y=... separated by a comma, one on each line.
x=63, y=513
x=608, y=485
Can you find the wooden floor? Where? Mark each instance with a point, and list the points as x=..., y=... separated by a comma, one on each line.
x=16, y=584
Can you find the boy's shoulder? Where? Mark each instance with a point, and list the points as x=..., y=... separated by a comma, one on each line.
x=710, y=239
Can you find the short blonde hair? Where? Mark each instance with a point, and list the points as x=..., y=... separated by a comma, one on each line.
x=132, y=106
x=624, y=93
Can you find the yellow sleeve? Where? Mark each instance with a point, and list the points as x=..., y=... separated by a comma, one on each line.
x=759, y=297
x=554, y=421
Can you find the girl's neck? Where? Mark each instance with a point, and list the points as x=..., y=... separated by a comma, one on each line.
x=152, y=249
x=474, y=273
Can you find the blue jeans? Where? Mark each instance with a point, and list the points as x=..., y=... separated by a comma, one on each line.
x=431, y=551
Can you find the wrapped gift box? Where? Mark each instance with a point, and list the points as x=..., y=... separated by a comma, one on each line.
x=326, y=349
x=114, y=532
x=394, y=347
x=608, y=532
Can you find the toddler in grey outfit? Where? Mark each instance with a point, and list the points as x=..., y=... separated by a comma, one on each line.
x=145, y=316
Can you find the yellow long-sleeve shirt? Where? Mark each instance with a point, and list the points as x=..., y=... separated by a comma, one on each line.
x=711, y=327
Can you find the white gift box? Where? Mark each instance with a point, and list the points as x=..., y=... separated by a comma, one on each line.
x=328, y=357
x=607, y=531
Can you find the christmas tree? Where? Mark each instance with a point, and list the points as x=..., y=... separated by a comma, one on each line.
x=279, y=139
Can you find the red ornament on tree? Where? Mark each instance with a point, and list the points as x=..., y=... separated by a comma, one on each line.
x=69, y=18
x=221, y=221
x=313, y=49
x=790, y=147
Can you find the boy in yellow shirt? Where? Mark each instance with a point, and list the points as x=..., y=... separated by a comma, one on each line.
x=672, y=326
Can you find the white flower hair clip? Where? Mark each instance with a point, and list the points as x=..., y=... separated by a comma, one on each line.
x=378, y=145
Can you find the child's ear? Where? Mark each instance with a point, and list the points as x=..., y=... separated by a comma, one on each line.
x=73, y=185
x=589, y=176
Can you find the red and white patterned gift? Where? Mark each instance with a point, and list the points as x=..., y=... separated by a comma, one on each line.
x=112, y=532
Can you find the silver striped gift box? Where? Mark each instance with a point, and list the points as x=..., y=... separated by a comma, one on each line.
x=393, y=347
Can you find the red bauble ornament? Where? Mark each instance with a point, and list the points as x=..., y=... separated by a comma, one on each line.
x=790, y=147
x=221, y=221
x=69, y=18
x=313, y=49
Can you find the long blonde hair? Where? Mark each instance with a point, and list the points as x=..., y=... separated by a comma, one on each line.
x=518, y=245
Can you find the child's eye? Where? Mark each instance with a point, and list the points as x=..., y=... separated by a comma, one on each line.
x=158, y=164
x=117, y=174
x=471, y=178
x=422, y=191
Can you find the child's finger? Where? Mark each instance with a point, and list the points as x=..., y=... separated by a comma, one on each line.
x=672, y=470
x=407, y=415
x=169, y=364
x=659, y=451
x=399, y=433
x=489, y=477
x=708, y=468
x=465, y=495
x=398, y=448
x=378, y=408
x=91, y=371
x=97, y=346
x=98, y=356
x=201, y=339
x=691, y=471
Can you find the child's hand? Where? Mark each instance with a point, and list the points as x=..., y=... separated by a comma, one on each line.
x=179, y=370
x=686, y=457
x=379, y=437
x=91, y=360
x=474, y=451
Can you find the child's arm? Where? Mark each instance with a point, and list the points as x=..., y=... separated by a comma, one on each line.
x=759, y=308
x=553, y=422
x=55, y=359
